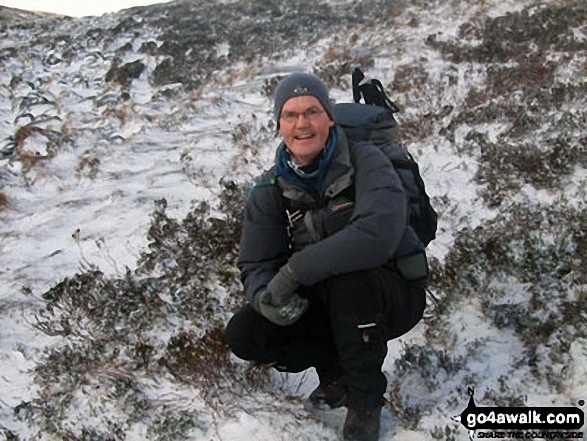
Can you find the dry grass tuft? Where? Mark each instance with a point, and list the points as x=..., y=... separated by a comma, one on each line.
x=3, y=201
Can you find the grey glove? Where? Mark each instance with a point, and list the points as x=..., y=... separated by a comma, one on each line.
x=283, y=286
x=281, y=315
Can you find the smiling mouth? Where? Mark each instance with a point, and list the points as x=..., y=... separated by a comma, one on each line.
x=304, y=137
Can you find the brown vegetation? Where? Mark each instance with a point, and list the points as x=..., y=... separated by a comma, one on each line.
x=26, y=131
x=3, y=201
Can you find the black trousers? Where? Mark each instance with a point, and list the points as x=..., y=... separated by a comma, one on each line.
x=343, y=334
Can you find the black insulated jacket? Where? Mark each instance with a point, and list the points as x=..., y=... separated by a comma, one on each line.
x=360, y=221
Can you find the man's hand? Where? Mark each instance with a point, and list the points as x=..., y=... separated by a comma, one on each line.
x=281, y=315
x=282, y=286
x=279, y=302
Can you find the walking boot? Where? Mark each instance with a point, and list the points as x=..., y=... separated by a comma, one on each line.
x=362, y=426
x=332, y=394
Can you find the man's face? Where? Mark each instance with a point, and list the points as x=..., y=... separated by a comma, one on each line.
x=304, y=126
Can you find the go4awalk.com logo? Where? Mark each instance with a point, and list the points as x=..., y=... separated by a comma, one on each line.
x=522, y=422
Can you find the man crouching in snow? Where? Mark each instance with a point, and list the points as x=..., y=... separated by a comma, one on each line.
x=321, y=232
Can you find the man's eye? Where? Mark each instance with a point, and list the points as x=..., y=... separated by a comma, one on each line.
x=310, y=114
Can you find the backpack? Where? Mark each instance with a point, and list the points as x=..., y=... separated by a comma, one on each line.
x=373, y=123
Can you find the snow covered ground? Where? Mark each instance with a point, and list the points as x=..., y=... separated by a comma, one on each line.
x=81, y=191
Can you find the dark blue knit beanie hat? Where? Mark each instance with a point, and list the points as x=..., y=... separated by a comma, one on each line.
x=301, y=84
